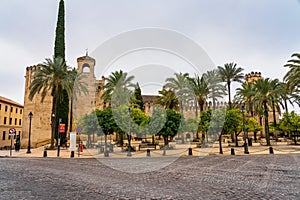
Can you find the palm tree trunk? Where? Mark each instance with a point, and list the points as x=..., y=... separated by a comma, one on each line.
x=267, y=124
x=285, y=105
x=196, y=107
x=274, y=119
x=214, y=99
x=229, y=95
x=220, y=144
x=53, y=118
x=201, y=105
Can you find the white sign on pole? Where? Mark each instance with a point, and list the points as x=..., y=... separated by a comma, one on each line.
x=72, y=141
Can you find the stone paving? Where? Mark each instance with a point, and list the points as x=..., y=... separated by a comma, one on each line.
x=210, y=177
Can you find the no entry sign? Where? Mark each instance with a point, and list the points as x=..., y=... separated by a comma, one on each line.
x=12, y=131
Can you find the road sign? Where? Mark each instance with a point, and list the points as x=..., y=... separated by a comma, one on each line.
x=78, y=129
x=12, y=132
x=62, y=128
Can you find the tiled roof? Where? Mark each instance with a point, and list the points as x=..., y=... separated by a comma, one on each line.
x=6, y=100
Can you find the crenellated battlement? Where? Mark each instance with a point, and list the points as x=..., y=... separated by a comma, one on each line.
x=253, y=76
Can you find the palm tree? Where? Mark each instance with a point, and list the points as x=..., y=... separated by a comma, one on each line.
x=265, y=96
x=78, y=87
x=287, y=95
x=52, y=76
x=216, y=89
x=167, y=99
x=245, y=94
x=117, y=83
x=231, y=73
x=179, y=85
x=292, y=77
x=200, y=90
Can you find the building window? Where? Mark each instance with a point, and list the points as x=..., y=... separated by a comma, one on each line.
x=5, y=108
x=16, y=120
x=19, y=133
x=3, y=135
x=4, y=122
x=20, y=122
x=10, y=121
x=16, y=110
x=20, y=111
x=0, y=106
x=8, y=137
x=11, y=109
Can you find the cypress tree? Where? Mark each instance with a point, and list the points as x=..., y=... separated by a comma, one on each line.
x=59, y=47
x=138, y=99
x=62, y=108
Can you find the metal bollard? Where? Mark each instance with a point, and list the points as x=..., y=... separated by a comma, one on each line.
x=271, y=150
x=232, y=151
x=45, y=153
x=190, y=151
x=72, y=154
x=164, y=152
x=148, y=153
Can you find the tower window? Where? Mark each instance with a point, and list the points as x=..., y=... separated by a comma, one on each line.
x=10, y=121
x=4, y=122
x=86, y=68
x=11, y=109
x=5, y=108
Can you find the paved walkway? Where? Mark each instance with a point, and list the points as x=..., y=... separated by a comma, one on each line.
x=180, y=150
x=212, y=177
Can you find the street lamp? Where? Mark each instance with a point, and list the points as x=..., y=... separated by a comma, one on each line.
x=53, y=130
x=245, y=136
x=29, y=132
x=58, y=137
x=129, y=133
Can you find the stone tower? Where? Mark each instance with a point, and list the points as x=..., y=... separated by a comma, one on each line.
x=41, y=120
x=85, y=103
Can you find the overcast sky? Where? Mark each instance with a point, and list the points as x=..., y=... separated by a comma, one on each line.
x=258, y=35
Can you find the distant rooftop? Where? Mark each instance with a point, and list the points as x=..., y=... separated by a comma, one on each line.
x=9, y=101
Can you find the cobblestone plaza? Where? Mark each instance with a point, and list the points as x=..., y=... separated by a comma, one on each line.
x=210, y=177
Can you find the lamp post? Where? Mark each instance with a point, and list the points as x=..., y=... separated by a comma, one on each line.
x=58, y=137
x=29, y=132
x=129, y=133
x=53, y=130
x=245, y=135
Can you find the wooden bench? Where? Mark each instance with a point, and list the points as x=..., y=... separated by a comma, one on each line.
x=147, y=146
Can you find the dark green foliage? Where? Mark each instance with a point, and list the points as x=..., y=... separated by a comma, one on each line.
x=62, y=112
x=171, y=126
x=205, y=117
x=59, y=48
x=106, y=121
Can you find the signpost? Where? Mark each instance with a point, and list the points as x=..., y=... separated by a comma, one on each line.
x=12, y=133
